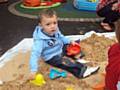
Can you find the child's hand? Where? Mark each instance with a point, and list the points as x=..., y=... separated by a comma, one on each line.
x=115, y=6
x=74, y=43
x=32, y=76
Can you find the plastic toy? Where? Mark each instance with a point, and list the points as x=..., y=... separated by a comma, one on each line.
x=31, y=3
x=88, y=5
x=73, y=49
x=69, y=88
x=54, y=73
x=62, y=1
x=47, y=3
x=92, y=0
x=37, y=3
x=39, y=80
x=42, y=5
x=101, y=85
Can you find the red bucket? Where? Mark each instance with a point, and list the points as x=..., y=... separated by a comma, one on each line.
x=73, y=49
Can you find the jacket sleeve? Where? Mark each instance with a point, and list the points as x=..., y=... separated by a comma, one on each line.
x=35, y=54
x=63, y=38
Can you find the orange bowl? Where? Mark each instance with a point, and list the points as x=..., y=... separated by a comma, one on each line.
x=100, y=86
x=73, y=49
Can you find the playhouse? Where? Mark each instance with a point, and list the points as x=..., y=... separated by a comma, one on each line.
x=88, y=5
x=36, y=3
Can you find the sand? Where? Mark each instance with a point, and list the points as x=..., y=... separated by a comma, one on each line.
x=16, y=70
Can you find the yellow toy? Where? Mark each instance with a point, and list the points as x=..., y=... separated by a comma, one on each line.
x=39, y=80
x=69, y=88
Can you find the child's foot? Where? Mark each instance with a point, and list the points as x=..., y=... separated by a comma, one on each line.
x=89, y=71
x=106, y=26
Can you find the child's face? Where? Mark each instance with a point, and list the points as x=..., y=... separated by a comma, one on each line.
x=49, y=24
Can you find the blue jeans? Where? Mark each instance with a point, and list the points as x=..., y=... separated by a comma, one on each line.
x=77, y=69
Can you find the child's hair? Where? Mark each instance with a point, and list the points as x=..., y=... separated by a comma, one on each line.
x=117, y=30
x=46, y=13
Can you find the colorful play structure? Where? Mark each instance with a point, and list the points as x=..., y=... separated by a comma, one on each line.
x=36, y=3
x=87, y=5
x=75, y=10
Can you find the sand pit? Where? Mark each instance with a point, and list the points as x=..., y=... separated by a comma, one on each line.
x=15, y=68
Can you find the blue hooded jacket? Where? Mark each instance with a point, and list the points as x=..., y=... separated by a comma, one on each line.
x=45, y=46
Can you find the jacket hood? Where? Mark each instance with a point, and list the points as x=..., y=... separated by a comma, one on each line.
x=38, y=34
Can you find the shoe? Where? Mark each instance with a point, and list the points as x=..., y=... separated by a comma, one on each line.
x=90, y=70
x=82, y=61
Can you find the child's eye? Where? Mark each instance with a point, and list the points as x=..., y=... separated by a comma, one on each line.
x=48, y=24
x=55, y=22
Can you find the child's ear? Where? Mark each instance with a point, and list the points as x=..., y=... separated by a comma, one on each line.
x=39, y=24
